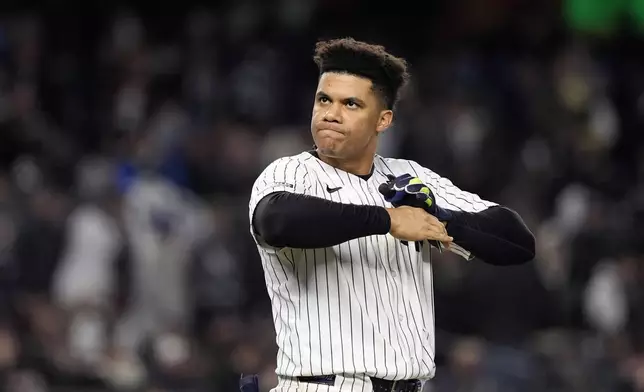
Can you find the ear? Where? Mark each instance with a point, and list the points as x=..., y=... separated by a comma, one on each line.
x=386, y=117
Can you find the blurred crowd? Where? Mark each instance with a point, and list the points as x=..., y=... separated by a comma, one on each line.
x=129, y=144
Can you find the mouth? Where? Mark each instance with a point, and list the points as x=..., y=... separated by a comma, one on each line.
x=330, y=130
x=329, y=126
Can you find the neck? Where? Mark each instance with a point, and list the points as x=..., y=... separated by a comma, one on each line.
x=360, y=166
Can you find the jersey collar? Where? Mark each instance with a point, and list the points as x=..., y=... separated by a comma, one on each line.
x=364, y=177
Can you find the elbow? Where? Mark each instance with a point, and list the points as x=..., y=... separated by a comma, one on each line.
x=524, y=243
x=519, y=240
x=270, y=227
x=274, y=238
x=525, y=240
x=527, y=252
x=531, y=248
x=517, y=255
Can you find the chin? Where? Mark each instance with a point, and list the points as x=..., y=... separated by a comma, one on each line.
x=328, y=152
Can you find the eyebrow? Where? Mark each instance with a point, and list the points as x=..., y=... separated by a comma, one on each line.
x=322, y=94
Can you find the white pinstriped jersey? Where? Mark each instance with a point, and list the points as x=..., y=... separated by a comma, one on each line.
x=362, y=307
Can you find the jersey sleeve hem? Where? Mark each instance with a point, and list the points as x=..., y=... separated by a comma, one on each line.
x=447, y=194
x=286, y=181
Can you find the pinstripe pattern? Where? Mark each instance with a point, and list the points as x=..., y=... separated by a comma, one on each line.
x=362, y=307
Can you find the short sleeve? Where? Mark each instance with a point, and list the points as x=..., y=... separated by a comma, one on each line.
x=451, y=197
x=448, y=195
x=288, y=174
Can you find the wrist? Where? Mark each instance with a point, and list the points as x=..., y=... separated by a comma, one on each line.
x=443, y=214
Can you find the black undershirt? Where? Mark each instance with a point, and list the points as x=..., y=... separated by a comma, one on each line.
x=496, y=235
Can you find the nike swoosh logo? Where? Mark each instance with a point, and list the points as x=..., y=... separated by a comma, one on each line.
x=331, y=190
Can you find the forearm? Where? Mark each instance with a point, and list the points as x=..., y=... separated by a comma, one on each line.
x=496, y=235
x=284, y=219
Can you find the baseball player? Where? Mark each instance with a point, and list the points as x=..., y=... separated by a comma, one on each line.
x=345, y=237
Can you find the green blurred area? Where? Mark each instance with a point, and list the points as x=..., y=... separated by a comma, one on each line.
x=604, y=17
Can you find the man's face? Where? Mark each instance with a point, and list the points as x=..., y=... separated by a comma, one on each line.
x=347, y=116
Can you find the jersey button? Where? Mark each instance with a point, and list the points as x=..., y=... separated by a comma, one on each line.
x=394, y=274
x=401, y=318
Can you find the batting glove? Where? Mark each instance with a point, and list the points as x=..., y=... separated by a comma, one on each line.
x=407, y=190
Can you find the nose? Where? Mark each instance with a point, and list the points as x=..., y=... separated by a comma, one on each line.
x=332, y=114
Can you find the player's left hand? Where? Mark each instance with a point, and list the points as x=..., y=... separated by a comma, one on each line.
x=407, y=190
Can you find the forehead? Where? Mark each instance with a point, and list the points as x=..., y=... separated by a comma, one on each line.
x=345, y=85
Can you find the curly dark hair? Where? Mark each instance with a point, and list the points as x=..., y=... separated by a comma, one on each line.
x=388, y=73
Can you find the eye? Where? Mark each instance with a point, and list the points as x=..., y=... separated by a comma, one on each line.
x=352, y=105
x=323, y=100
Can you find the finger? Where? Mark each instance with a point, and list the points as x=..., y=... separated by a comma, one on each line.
x=431, y=218
x=403, y=180
x=439, y=236
x=437, y=226
x=442, y=231
x=423, y=198
x=445, y=240
x=444, y=236
x=387, y=191
x=415, y=188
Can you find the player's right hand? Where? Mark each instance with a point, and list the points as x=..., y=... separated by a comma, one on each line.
x=415, y=224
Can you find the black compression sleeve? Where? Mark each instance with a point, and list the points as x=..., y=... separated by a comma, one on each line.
x=284, y=219
x=496, y=235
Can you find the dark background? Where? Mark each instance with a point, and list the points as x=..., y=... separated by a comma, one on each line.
x=130, y=136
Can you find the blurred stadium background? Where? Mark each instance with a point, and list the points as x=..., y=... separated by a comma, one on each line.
x=130, y=137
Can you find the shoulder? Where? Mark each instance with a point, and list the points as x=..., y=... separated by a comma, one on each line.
x=286, y=161
x=289, y=173
x=399, y=166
